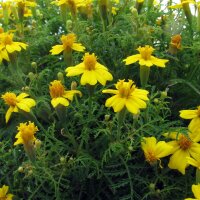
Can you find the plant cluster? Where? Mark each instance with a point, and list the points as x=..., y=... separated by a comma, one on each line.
x=99, y=99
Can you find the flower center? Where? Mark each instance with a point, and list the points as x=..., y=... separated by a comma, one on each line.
x=90, y=61
x=146, y=52
x=125, y=88
x=184, y=142
x=10, y=98
x=150, y=156
x=7, y=39
x=56, y=89
x=68, y=41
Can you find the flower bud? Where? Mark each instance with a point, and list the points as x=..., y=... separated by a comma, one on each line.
x=31, y=76
x=20, y=169
x=62, y=159
x=38, y=143
x=34, y=65
x=69, y=25
x=156, y=101
x=73, y=85
x=60, y=77
x=106, y=117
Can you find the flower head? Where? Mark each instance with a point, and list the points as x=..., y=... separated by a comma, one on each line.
x=92, y=71
x=17, y=103
x=26, y=133
x=145, y=58
x=176, y=41
x=68, y=44
x=127, y=95
x=194, y=115
x=59, y=95
x=3, y=193
x=183, y=147
x=154, y=150
x=7, y=43
x=196, y=192
x=183, y=2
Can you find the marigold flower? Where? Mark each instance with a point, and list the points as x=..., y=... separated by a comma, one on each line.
x=154, y=150
x=26, y=133
x=59, y=95
x=92, y=71
x=68, y=44
x=3, y=193
x=145, y=58
x=176, y=41
x=17, y=103
x=196, y=192
x=192, y=114
x=127, y=95
x=183, y=147
x=6, y=42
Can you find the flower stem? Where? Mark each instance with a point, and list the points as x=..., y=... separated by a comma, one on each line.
x=121, y=117
x=144, y=75
x=197, y=176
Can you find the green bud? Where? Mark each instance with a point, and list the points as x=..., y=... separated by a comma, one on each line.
x=60, y=77
x=156, y=101
x=20, y=169
x=152, y=186
x=34, y=65
x=62, y=159
x=31, y=76
x=73, y=85
x=106, y=117
x=163, y=94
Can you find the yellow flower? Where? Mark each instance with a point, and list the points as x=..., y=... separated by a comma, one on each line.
x=145, y=58
x=192, y=114
x=59, y=95
x=196, y=192
x=176, y=41
x=182, y=4
x=126, y=95
x=6, y=42
x=3, y=54
x=154, y=150
x=183, y=147
x=3, y=193
x=92, y=71
x=68, y=44
x=26, y=133
x=17, y=103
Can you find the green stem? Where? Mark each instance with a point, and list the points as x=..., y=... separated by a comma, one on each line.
x=144, y=75
x=197, y=176
x=121, y=117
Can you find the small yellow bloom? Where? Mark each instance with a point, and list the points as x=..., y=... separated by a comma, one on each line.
x=59, y=95
x=26, y=133
x=3, y=193
x=92, y=71
x=154, y=150
x=68, y=44
x=192, y=114
x=183, y=147
x=17, y=103
x=182, y=4
x=145, y=58
x=127, y=95
x=7, y=43
x=176, y=41
x=196, y=192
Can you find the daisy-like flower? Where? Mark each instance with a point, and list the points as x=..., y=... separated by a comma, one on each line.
x=59, y=95
x=145, y=58
x=196, y=192
x=154, y=150
x=68, y=44
x=183, y=147
x=194, y=115
x=126, y=95
x=92, y=71
x=3, y=193
x=26, y=134
x=7, y=43
x=17, y=103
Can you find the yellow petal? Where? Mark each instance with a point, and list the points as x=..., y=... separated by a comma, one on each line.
x=158, y=62
x=132, y=59
x=132, y=106
x=192, y=162
x=60, y=100
x=56, y=49
x=147, y=63
x=88, y=77
x=70, y=94
x=110, y=91
x=22, y=96
x=102, y=76
x=188, y=114
x=8, y=113
x=163, y=149
x=78, y=47
x=196, y=191
x=76, y=70
x=178, y=160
